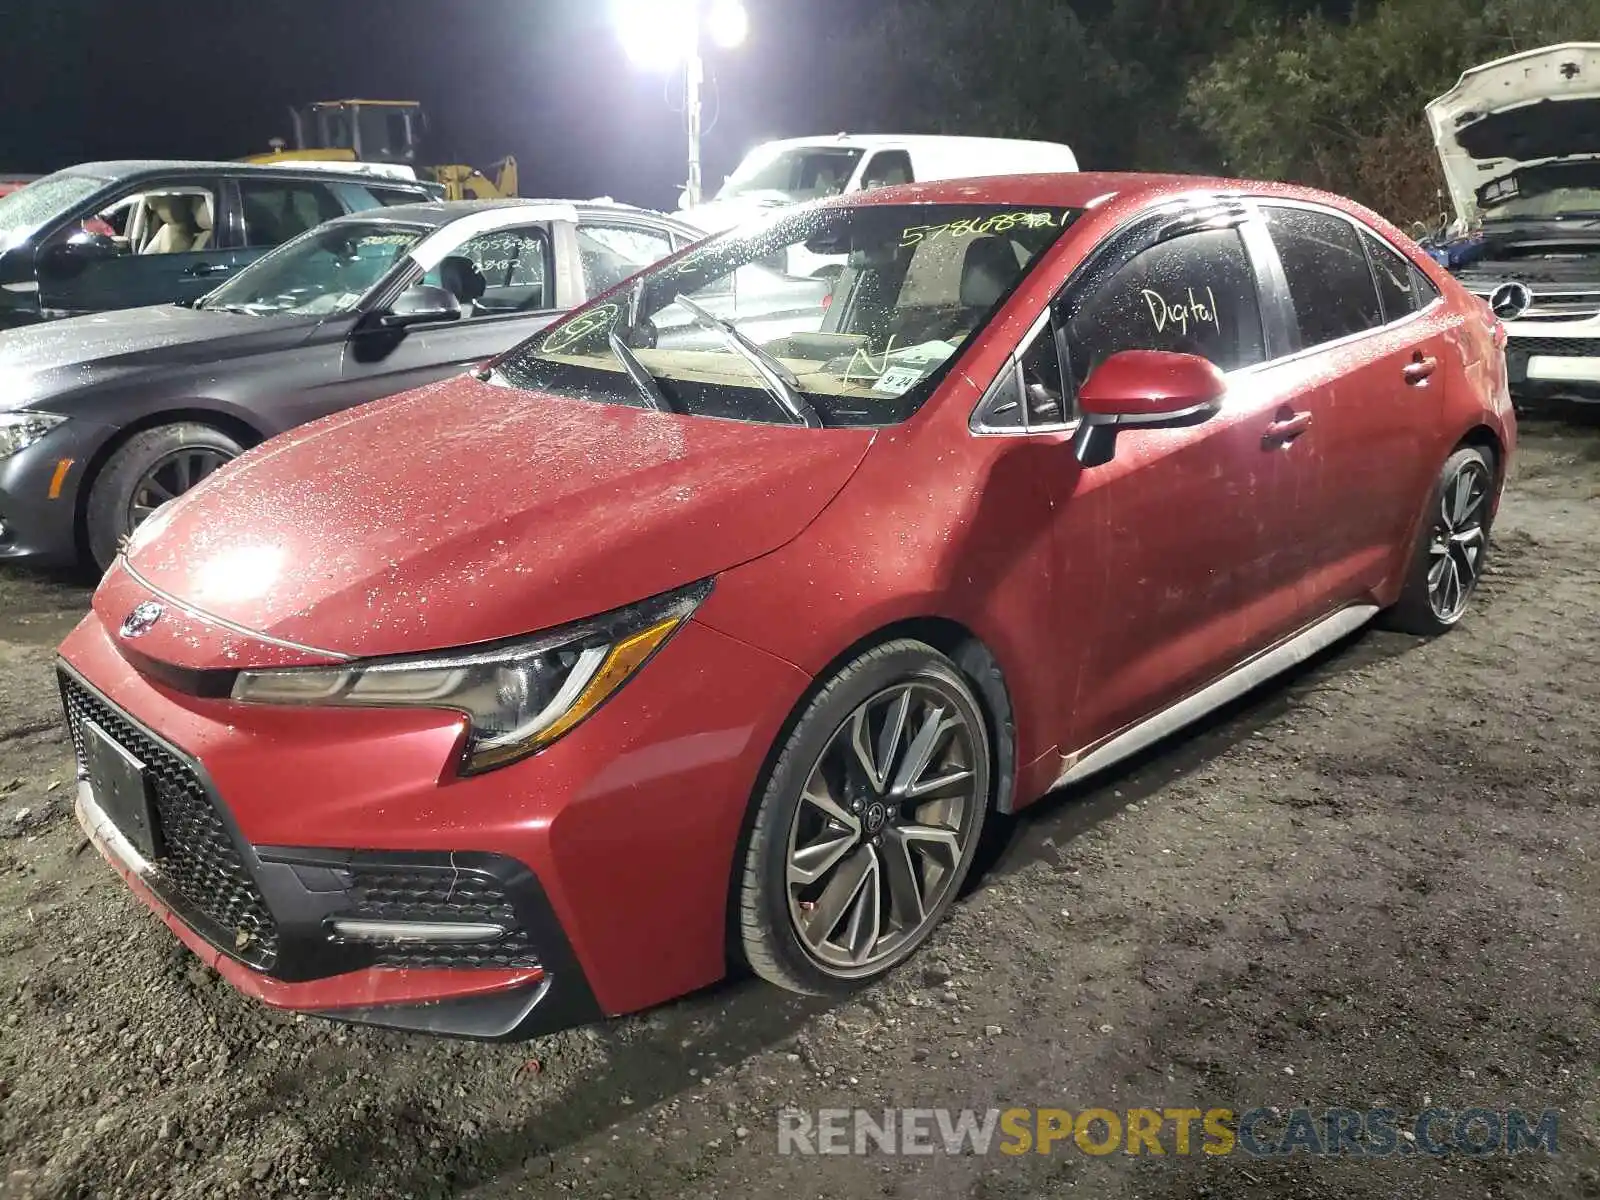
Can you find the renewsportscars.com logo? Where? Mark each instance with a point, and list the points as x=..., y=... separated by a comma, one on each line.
x=1256, y=1132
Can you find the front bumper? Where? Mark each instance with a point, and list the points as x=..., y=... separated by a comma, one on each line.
x=604, y=861
x=39, y=495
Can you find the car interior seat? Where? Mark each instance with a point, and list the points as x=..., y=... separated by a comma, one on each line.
x=205, y=222
x=460, y=276
x=177, y=231
x=989, y=270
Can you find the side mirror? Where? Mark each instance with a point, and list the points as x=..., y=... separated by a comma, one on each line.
x=423, y=304
x=1143, y=389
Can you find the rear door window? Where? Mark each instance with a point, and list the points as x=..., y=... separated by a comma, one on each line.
x=1329, y=278
x=276, y=211
x=1192, y=294
x=886, y=169
x=612, y=253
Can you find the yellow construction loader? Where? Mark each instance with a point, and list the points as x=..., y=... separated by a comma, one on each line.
x=382, y=131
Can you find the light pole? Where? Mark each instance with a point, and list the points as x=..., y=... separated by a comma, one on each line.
x=667, y=34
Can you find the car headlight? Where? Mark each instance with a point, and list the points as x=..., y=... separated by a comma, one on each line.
x=19, y=430
x=519, y=696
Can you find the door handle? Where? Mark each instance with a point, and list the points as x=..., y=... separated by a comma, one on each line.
x=1419, y=369
x=201, y=270
x=1285, y=429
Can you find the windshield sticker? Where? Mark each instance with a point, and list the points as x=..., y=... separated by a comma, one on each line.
x=1164, y=312
x=897, y=381
x=976, y=226
x=566, y=336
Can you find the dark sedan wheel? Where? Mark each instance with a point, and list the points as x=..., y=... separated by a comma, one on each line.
x=150, y=469
x=1454, y=546
x=869, y=822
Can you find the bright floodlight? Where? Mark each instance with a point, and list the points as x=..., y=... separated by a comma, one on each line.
x=728, y=23
x=656, y=33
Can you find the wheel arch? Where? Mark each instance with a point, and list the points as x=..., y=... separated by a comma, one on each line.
x=1485, y=438
x=191, y=412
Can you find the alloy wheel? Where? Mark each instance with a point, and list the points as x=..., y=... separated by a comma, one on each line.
x=883, y=827
x=1459, y=541
x=170, y=477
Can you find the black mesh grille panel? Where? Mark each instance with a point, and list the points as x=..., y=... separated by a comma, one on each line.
x=1558, y=347
x=200, y=866
x=406, y=893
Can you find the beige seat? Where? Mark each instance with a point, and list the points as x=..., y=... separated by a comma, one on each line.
x=205, y=222
x=178, y=228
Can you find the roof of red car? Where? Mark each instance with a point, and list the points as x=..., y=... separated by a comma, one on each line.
x=1073, y=190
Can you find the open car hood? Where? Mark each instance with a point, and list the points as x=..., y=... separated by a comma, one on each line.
x=1536, y=107
x=466, y=512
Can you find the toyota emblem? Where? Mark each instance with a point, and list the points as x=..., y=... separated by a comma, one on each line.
x=142, y=619
x=1510, y=300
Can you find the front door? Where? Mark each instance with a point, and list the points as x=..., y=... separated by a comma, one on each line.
x=1175, y=559
x=157, y=245
x=505, y=281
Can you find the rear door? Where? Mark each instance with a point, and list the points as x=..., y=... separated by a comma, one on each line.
x=1368, y=382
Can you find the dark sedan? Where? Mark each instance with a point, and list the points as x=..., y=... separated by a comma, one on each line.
x=105, y=418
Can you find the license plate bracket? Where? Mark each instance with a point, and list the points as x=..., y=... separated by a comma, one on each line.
x=1517, y=366
x=121, y=789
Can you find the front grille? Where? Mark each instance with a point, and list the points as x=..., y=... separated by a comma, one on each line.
x=418, y=893
x=1558, y=347
x=200, y=868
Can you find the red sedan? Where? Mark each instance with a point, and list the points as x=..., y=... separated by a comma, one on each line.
x=712, y=623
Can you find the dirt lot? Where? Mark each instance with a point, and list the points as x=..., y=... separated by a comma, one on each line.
x=1377, y=884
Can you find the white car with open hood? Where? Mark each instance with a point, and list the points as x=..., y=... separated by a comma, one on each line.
x=1520, y=142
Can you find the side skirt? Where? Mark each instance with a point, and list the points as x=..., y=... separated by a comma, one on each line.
x=1243, y=678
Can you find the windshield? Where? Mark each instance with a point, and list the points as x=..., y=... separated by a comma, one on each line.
x=792, y=174
x=40, y=202
x=855, y=326
x=1549, y=191
x=325, y=272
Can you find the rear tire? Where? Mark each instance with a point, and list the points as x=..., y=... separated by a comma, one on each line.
x=1451, y=550
x=855, y=856
x=151, y=467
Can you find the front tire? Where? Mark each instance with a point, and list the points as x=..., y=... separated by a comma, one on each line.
x=868, y=823
x=1452, y=550
x=150, y=469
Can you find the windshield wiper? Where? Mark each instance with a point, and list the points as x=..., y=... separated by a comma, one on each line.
x=642, y=379
x=780, y=381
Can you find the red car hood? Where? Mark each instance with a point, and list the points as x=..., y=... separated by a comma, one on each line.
x=466, y=512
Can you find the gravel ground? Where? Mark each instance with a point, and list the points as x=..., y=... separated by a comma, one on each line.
x=1374, y=884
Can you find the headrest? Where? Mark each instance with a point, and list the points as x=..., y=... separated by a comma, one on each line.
x=202, y=213
x=460, y=276
x=988, y=272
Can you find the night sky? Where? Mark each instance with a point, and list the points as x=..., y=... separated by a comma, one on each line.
x=545, y=80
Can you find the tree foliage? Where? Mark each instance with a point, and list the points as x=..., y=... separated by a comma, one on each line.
x=1328, y=92
x=1339, y=104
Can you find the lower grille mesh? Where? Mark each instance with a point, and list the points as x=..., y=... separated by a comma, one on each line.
x=414, y=893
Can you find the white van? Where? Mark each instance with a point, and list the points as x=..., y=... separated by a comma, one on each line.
x=800, y=169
